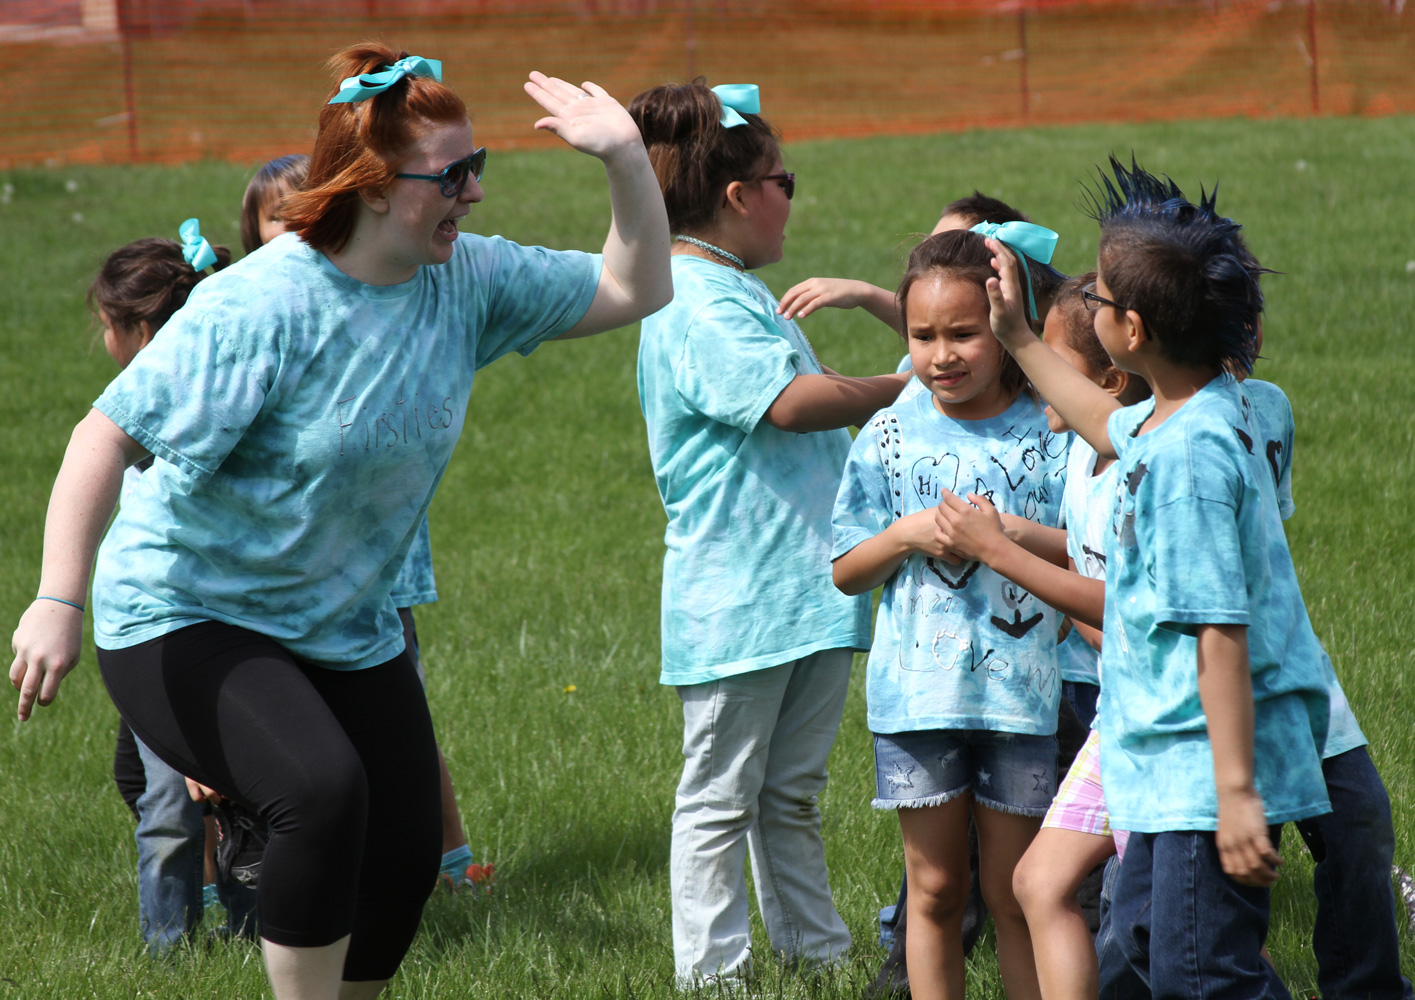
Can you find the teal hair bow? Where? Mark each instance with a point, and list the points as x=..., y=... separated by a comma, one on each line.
x=360, y=88
x=1026, y=240
x=738, y=97
x=195, y=250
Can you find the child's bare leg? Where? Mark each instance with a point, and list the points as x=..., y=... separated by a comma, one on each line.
x=1003, y=839
x=452, y=835
x=208, y=854
x=936, y=865
x=1045, y=885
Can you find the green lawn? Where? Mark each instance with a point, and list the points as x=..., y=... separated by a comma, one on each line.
x=547, y=536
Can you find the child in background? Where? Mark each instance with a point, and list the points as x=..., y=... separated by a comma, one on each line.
x=260, y=205
x=1354, y=938
x=261, y=222
x=135, y=292
x=804, y=298
x=963, y=686
x=1076, y=834
x=1214, y=679
x=746, y=433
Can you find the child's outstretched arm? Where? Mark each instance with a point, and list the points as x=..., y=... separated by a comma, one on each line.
x=875, y=560
x=1084, y=405
x=974, y=530
x=825, y=402
x=843, y=293
x=1226, y=692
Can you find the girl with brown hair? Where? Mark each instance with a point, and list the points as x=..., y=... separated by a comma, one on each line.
x=746, y=432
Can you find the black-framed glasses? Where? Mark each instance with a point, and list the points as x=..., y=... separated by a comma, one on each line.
x=788, y=183
x=1094, y=301
x=453, y=178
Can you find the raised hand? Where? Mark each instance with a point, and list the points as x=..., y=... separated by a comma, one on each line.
x=586, y=117
x=815, y=293
x=1007, y=300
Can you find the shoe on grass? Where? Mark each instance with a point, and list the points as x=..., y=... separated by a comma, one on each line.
x=240, y=848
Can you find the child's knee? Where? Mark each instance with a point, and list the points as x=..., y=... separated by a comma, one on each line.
x=940, y=895
x=1035, y=886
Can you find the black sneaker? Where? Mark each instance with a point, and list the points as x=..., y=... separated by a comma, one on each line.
x=242, y=836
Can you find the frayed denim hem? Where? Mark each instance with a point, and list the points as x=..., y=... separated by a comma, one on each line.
x=1002, y=807
x=922, y=802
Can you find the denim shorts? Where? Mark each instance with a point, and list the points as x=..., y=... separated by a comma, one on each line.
x=1009, y=772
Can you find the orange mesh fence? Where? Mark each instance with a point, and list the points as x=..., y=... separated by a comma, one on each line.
x=117, y=81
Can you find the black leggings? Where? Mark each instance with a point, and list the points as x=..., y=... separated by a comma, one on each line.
x=341, y=763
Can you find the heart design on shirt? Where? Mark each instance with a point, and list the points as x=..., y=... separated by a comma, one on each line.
x=929, y=475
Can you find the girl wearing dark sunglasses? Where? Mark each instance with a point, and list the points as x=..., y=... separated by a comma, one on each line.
x=747, y=441
x=304, y=406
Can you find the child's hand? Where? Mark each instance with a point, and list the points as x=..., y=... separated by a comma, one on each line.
x=1244, y=849
x=815, y=293
x=199, y=792
x=920, y=534
x=971, y=529
x=1007, y=300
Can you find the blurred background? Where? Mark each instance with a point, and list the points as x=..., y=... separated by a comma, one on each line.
x=170, y=81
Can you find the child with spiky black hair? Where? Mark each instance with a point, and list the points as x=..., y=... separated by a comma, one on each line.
x=1214, y=678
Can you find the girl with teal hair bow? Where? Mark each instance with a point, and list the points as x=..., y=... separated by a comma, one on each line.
x=963, y=686
x=747, y=438
x=136, y=291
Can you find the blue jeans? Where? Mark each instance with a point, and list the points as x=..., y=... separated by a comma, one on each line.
x=1186, y=929
x=171, y=836
x=1082, y=697
x=1353, y=845
x=1118, y=980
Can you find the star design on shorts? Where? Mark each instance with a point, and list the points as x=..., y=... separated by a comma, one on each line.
x=900, y=778
x=949, y=757
x=984, y=778
x=1043, y=784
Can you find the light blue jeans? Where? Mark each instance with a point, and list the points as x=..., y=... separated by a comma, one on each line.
x=170, y=837
x=755, y=748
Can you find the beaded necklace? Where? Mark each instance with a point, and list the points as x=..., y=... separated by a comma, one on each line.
x=718, y=251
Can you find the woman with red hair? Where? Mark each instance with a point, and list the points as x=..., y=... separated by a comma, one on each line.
x=302, y=408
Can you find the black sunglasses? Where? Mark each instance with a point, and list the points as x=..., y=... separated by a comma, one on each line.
x=788, y=183
x=453, y=178
x=1094, y=301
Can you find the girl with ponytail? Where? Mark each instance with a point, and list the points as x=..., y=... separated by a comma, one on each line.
x=747, y=436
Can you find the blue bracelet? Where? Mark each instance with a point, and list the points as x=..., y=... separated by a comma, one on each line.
x=71, y=604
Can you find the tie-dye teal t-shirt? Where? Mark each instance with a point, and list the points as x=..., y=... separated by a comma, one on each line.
x=1267, y=409
x=1086, y=511
x=304, y=420
x=416, y=583
x=746, y=579
x=955, y=646
x=1199, y=541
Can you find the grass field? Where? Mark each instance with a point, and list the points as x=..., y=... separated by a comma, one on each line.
x=547, y=535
